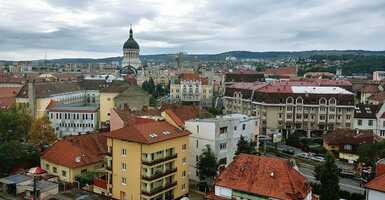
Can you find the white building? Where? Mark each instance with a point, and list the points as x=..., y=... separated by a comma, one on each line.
x=378, y=75
x=221, y=133
x=69, y=119
x=131, y=53
x=370, y=117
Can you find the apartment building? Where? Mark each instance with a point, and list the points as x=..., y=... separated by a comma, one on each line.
x=147, y=160
x=221, y=134
x=285, y=106
x=370, y=117
x=71, y=119
x=191, y=88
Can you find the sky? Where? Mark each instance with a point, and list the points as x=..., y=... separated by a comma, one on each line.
x=31, y=29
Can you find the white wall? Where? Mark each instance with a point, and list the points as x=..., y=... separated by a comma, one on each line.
x=375, y=195
x=209, y=134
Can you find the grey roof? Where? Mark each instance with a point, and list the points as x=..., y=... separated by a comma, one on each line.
x=74, y=107
x=15, y=179
x=131, y=43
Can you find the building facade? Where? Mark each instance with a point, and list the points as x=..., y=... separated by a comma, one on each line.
x=73, y=119
x=287, y=106
x=147, y=160
x=191, y=88
x=221, y=134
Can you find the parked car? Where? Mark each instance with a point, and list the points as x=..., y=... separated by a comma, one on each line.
x=317, y=158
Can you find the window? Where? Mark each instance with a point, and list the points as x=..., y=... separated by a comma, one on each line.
x=383, y=123
x=54, y=169
x=124, y=180
x=243, y=126
x=47, y=166
x=370, y=122
x=359, y=122
x=197, y=144
x=183, y=173
x=183, y=186
x=64, y=173
x=184, y=160
x=347, y=116
x=124, y=152
x=382, y=133
x=222, y=146
x=235, y=128
x=223, y=130
x=184, y=146
x=124, y=166
x=197, y=129
x=348, y=147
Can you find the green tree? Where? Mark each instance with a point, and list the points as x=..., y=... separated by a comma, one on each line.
x=41, y=132
x=330, y=188
x=244, y=146
x=207, y=165
x=86, y=178
x=370, y=153
x=317, y=172
x=17, y=155
x=14, y=124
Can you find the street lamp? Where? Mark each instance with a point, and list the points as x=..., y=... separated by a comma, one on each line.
x=35, y=172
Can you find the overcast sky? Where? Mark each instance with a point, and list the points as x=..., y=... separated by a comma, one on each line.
x=98, y=28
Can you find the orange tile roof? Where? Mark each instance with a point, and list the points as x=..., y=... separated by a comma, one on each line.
x=91, y=148
x=282, y=71
x=264, y=176
x=182, y=113
x=7, y=102
x=190, y=76
x=377, y=183
x=9, y=91
x=141, y=132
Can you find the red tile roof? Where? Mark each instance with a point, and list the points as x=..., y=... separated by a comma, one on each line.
x=348, y=136
x=90, y=148
x=9, y=91
x=182, y=113
x=100, y=183
x=141, y=132
x=377, y=183
x=378, y=96
x=7, y=102
x=264, y=176
x=370, y=88
x=282, y=71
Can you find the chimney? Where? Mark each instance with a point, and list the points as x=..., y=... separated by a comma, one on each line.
x=380, y=167
x=32, y=98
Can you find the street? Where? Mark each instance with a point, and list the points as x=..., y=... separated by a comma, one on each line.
x=346, y=184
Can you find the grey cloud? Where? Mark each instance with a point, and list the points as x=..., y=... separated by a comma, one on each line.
x=211, y=26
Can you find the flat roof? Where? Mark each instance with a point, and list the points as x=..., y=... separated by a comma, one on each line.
x=318, y=90
x=73, y=108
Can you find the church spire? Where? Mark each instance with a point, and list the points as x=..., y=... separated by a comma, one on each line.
x=131, y=34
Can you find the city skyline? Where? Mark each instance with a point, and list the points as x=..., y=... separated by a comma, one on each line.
x=97, y=29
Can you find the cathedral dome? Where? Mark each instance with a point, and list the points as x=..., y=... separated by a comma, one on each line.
x=131, y=43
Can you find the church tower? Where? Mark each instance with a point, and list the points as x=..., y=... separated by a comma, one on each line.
x=131, y=53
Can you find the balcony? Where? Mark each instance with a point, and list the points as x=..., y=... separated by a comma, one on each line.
x=159, y=160
x=160, y=189
x=159, y=174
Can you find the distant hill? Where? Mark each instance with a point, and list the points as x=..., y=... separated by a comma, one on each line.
x=222, y=56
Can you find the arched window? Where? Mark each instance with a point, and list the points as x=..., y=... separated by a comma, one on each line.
x=290, y=100
x=332, y=101
x=322, y=101
x=299, y=100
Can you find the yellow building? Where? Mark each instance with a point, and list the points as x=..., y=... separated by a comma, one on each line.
x=148, y=160
x=74, y=155
x=123, y=97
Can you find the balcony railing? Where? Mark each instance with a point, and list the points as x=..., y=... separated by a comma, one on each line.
x=159, y=174
x=160, y=189
x=159, y=160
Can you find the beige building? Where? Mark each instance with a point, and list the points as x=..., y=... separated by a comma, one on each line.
x=122, y=97
x=74, y=155
x=191, y=88
x=147, y=160
x=287, y=106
